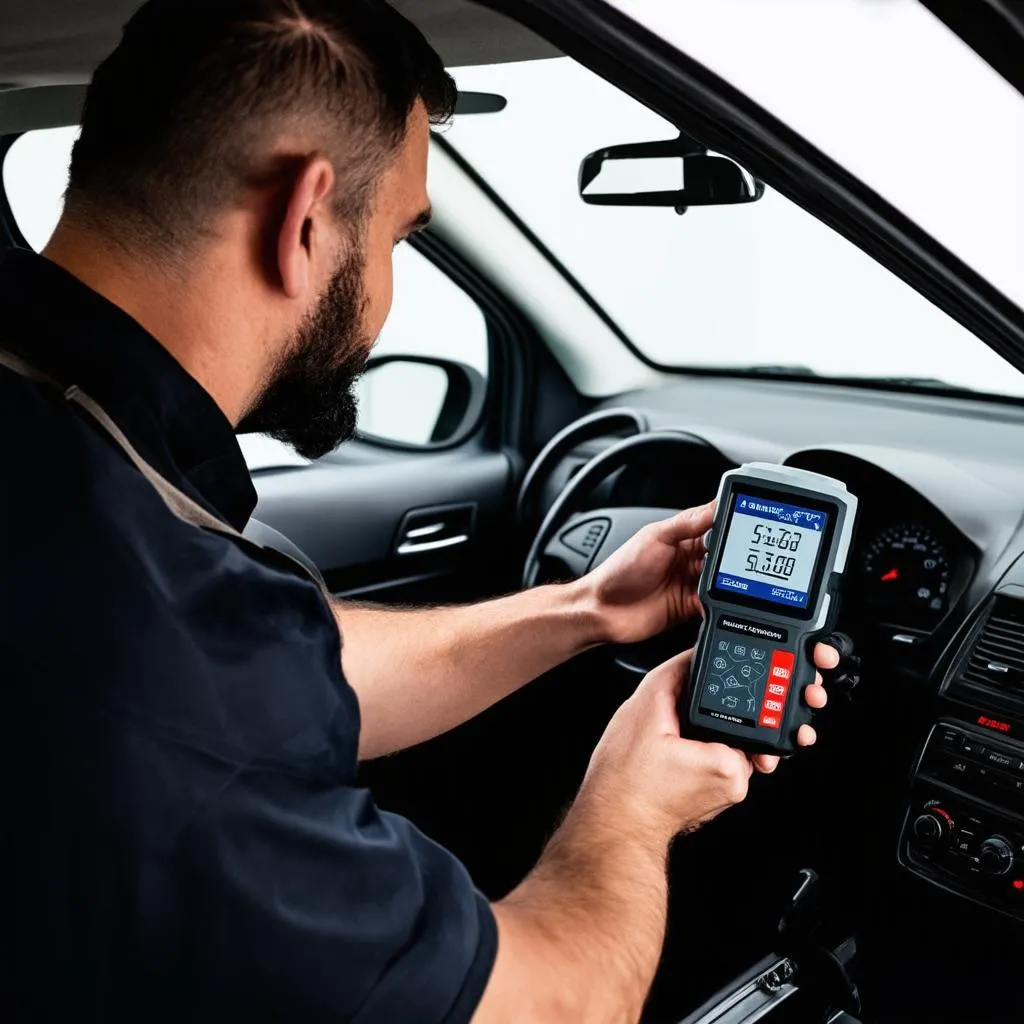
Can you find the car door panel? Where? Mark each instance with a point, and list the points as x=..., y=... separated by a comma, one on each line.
x=353, y=514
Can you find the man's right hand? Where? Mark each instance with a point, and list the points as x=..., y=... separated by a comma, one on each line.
x=580, y=939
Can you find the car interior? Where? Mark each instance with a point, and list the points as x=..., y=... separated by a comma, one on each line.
x=515, y=430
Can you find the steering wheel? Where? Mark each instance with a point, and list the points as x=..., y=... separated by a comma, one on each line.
x=582, y=540
x=587, y=428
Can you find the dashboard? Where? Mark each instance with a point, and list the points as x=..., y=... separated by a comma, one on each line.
x=931, y=824
x=940, y=483
x=910, y=564
x=911, y=800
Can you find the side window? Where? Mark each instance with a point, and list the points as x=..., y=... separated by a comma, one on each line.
x=35, y=174
x=410, y=397
x=430, y=372
x=432, y=356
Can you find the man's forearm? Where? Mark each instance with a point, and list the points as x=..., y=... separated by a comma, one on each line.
x=580, y=939
x=420, y=672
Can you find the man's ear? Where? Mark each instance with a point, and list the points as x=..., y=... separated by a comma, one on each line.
x=302, y=229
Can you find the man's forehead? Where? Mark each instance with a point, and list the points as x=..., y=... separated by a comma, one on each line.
x=404, y=186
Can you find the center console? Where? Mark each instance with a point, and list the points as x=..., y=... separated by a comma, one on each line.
x=964, y=827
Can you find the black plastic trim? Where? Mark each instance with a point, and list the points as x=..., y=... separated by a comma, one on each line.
x=536, y=241
x=993, y=29
x=508, y=369
x=10, y=233
x=689, y=95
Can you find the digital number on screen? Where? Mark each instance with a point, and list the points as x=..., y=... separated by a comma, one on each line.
x=771, y=550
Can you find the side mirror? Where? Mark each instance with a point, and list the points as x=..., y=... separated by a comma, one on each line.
x=419, y=401
x=677, y=173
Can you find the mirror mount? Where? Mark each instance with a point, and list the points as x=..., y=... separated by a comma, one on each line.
x=693, y=176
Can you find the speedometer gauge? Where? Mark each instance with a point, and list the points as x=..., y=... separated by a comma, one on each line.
x=907, y=569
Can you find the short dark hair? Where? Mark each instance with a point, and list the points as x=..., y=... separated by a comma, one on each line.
x=180, y=118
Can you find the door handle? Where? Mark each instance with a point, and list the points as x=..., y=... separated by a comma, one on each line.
x=423, y=546
x=435, y=529
x=425, y=531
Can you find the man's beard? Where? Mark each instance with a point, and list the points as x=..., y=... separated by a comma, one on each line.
x=309, y=402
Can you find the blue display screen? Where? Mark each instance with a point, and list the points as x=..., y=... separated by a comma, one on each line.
x=771, y=550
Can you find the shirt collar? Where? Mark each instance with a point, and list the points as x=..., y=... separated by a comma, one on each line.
x=76, y=336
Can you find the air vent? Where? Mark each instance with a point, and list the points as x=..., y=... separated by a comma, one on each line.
x=996, y=659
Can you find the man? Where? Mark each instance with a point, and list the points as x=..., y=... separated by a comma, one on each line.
x=185, y=834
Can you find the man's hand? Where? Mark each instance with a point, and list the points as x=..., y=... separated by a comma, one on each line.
x=650, y=583
x=649, y=720
x=581, y=937
x=652, y=776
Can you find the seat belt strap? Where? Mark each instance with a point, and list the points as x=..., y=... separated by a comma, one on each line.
x=177, y=501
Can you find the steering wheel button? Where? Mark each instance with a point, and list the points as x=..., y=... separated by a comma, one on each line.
x=587, y=537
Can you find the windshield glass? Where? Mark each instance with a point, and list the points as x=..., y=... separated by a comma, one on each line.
x=891, y=94
x=737, y=287
x=762, y=284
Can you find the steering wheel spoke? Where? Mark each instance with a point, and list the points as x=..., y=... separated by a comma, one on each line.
x=588, y=538
x=579, y=542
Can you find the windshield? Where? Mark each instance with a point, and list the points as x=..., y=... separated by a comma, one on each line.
x=755, y=286
x=891, y=94
x=762, y=284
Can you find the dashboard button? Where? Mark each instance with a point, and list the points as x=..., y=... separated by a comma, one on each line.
x=960, y=767
x=972, y=748
x=963, y=841
x=950, y=738
x=932, y=826
x=996, y=856
x=998, y=759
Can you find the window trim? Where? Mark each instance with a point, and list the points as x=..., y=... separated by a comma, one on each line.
x=10, y=233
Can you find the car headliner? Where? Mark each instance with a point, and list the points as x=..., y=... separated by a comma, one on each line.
x=60, y=42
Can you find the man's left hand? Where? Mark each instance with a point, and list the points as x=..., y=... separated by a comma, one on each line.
x=650, y=583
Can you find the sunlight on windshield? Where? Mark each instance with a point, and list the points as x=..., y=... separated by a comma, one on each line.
x=763, y=283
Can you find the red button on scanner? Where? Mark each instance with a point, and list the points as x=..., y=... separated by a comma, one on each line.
x=780, y=672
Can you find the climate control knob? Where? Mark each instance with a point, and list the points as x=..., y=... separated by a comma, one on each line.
x=932, y=827
x=995, y=855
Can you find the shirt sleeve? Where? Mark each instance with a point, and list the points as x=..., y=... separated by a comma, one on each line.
x=308, y=903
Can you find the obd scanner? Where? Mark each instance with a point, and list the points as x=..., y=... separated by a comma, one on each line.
x=770, y=589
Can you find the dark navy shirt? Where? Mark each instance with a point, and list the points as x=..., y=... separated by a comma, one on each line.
x=183, y=834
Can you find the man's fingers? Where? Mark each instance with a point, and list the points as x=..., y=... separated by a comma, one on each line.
x=816, y=695
x=806, y=736
x=825, y=656
x=764, y=763
x=691, y=523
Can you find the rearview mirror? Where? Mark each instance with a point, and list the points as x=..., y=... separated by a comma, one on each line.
x=677, y=173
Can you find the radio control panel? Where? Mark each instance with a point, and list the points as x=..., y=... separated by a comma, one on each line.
x=964, y=829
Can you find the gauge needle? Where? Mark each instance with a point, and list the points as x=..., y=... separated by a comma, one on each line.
x=892, y=574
